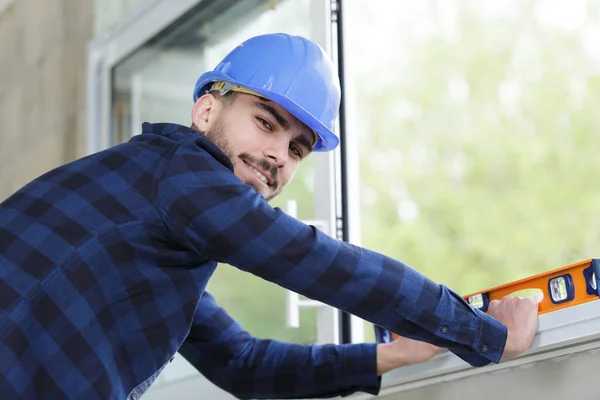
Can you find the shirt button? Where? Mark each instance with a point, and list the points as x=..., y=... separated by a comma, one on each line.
x=134, y=396
x=484, y=349
x=444, y=329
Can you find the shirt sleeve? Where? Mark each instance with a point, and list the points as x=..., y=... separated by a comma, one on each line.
x=248, y=367
x=205, y=206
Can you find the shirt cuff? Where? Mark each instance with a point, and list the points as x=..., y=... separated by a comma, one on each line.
x=359, y=369
x=491, y=337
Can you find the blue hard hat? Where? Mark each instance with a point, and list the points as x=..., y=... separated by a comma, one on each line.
x=290, y=70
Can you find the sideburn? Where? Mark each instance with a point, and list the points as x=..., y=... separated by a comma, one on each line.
x=216, y=134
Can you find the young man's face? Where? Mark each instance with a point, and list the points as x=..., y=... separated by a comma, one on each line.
x=264, y=142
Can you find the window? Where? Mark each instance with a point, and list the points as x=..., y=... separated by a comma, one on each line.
x=477, y=129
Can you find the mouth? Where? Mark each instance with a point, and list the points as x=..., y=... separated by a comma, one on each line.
x=262, y=176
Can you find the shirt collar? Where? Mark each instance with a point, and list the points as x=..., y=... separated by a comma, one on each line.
x=174, y=130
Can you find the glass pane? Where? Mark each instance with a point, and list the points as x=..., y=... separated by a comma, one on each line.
x=477, y=130
x=155, y=84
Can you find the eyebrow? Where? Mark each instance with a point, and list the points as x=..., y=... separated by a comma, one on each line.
x=302, y=140
x=305, y=143
x=274, y=113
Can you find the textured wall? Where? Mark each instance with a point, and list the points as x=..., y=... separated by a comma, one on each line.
x=42, y=86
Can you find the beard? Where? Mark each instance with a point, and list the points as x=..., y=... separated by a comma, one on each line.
x=217, y=135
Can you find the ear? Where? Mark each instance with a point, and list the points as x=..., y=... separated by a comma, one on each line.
x=205, y=111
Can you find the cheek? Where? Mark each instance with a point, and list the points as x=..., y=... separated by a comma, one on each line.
x=288, y=173
x=247, y=134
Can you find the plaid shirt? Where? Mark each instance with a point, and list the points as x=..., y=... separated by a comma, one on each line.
x=104, y=262
x=249, y=367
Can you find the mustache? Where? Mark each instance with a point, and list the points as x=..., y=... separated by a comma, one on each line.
x=264, y=164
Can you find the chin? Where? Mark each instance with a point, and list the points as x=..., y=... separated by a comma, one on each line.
x=257, y=189
x=266, y=195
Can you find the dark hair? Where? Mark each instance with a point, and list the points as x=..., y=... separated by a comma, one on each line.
x=227, y=98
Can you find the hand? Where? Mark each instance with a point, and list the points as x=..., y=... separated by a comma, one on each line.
x=401, y=352
x=520, y=316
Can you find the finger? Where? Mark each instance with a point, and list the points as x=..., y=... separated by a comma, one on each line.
x=493, y=304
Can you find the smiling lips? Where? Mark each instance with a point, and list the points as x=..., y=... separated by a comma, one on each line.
x=258, y=174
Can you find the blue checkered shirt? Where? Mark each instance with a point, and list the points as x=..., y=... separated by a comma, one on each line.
x=104, y=263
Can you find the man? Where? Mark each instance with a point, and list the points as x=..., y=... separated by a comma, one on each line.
x=104, y=261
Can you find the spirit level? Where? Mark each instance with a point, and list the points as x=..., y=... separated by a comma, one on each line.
x=561, y=288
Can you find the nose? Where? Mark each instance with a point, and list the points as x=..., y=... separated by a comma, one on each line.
x=277, y=152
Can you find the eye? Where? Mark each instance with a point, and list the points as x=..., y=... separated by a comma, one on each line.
x=296, y=150
x=266, y=124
